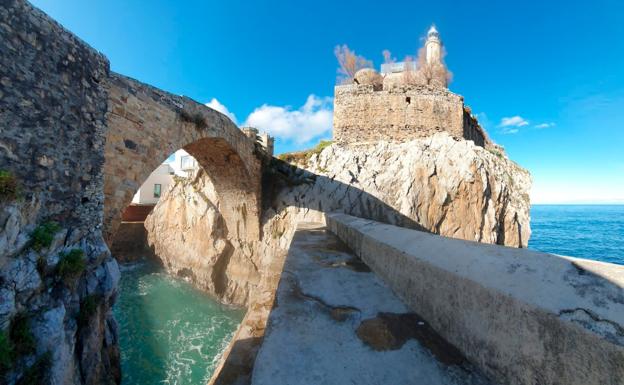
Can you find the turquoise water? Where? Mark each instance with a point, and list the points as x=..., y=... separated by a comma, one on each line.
x=169, y=332
x=584, y=231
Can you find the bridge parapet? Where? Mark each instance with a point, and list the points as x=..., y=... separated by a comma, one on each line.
x=523, y=316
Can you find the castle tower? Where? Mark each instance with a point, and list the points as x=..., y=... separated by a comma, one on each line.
x=433, y=46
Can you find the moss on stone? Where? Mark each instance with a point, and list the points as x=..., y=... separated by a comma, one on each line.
x=88, y=307
x=37, y=373
x=197, y=119
x=21, y=338
x=71, y=264
x=5, y=352
x=43, y=235
x=496, y=152
x=9, y=187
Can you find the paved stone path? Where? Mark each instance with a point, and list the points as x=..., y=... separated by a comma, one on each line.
x=335, y=322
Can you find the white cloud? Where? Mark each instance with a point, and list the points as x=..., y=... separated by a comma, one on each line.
x=545, y=125
x=310, y=121
x=216, y=105
x=511, y=124
x=514, y=121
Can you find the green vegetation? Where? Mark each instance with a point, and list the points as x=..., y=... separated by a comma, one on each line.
x=9, y=187
x=36, y=374
x=5, y=352
x=302, y=157
x=43, y=235
x=22, y=340
x=88, y=307
x=41, y=265
x=496, y=152
x=277, y=232
x=197, y=119
x=71, y=264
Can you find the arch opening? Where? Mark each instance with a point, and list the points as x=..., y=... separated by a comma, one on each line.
x=146, y=125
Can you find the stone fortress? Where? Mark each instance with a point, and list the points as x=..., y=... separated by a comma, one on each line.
x=406, y=100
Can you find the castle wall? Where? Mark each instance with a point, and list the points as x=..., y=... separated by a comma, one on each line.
x=362, y=114
x=473, y=131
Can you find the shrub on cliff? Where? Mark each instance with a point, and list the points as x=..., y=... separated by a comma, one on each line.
x=43, y=235
x=22, y=340
x=37, y=373
x=5, y=352
x=88, y=307
x=9, y=187
x=71, y=264
x=302, y=157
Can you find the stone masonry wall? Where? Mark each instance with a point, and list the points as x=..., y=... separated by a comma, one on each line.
x=52, y=114
x=473, y=131
x=52, y=124
x=362, y=114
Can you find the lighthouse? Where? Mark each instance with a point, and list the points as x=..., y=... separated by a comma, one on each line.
x=433, y=46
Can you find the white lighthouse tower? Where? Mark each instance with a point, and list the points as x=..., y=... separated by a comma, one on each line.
x=433, y=46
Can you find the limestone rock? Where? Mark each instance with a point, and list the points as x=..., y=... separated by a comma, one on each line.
x=189, y=234
x=438, y=184
x=7, y=307
x=50, y=334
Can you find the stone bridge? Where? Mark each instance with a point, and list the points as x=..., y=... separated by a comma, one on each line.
x=145, y=125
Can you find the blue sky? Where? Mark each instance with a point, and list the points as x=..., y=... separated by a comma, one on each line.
x=554, y=73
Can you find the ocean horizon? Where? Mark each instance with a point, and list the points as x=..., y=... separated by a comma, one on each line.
x=591, y=231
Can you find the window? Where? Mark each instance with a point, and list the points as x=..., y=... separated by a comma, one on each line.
x=157, y=188
x=187, y=162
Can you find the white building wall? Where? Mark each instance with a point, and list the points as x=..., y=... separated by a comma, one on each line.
x=183, y=163
x=163, y=176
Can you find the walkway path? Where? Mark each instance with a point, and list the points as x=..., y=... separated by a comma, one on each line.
x=335, y=322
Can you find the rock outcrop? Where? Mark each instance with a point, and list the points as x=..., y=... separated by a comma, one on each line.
x=438, y=184
x=60, y=307
x=189, y=234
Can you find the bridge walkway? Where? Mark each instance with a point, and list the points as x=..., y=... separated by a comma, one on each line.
x=335, y=322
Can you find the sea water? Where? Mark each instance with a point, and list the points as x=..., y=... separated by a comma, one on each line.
x=583, y=231
x=169, y=332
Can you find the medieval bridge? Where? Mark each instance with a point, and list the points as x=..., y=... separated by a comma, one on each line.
x=145, y=125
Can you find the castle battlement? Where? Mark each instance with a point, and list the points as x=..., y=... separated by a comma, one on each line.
x=407, y=100
x=369, y=113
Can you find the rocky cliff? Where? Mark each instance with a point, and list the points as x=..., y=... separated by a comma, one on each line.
x=438, y=184
x=188, y=233
x=57, y=287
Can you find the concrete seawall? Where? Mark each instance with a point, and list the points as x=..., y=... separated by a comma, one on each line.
x=524, y=317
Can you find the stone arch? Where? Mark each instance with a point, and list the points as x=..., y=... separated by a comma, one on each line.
x=145, y=125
